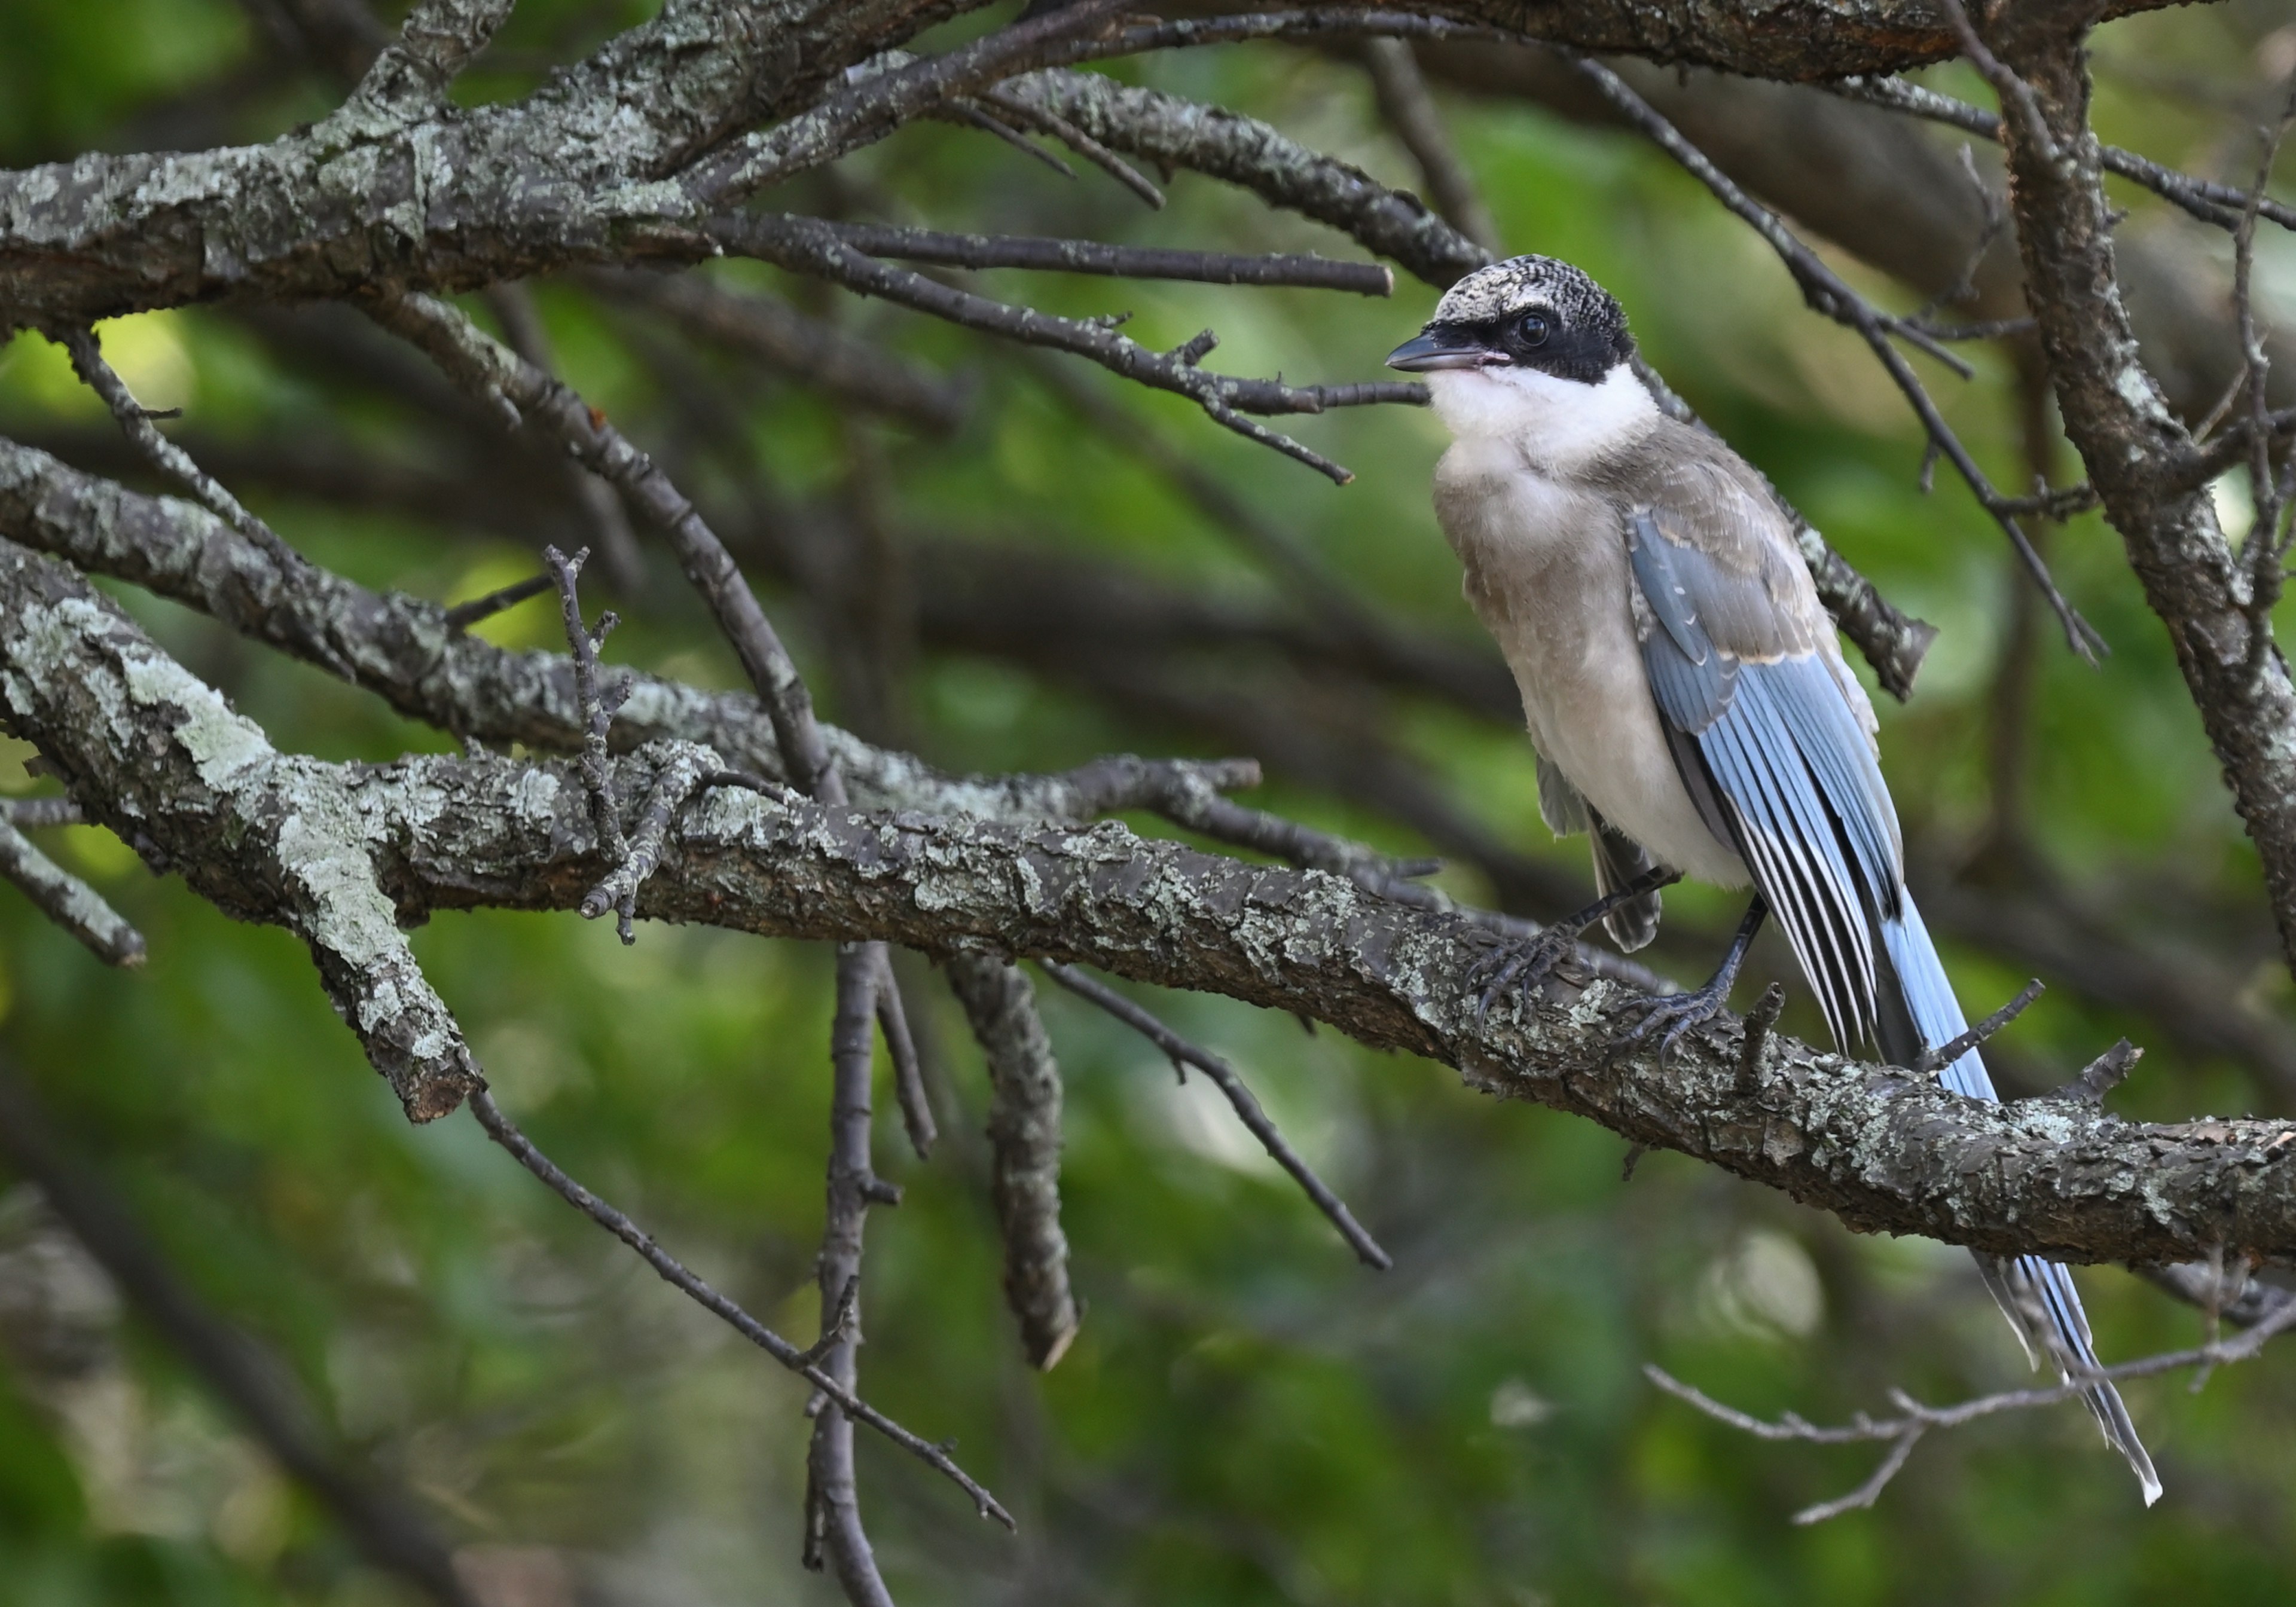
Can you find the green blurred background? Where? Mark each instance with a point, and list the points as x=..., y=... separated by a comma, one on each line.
x=1247, y=1415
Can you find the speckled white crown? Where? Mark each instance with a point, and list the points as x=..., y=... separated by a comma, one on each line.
x=1521, y=283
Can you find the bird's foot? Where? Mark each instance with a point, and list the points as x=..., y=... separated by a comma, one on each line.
x=1672, y=1015
x=1521, y=963
x=1527, y=962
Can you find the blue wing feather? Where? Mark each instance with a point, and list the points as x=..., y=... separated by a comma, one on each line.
x=1769, y=730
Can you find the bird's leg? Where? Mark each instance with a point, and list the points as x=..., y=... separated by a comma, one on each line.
x=1679, y=1012
x=1527, y=961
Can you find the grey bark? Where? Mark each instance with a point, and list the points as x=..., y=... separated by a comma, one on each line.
x=335, y=851
x=1024, y=1147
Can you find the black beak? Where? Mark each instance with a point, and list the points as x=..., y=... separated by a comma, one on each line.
x=1443, y=346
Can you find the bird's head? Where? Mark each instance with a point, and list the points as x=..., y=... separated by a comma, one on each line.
x=1524, y=346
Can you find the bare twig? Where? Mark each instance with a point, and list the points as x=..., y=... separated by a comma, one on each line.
x=463, y=615
x=2103, y=1074
x=833, y=1531
x=1931, y=1059
x=67, y=900
x=1077, y=140
x=908, y=1072
x=673, y=1272
x=2265, y=552
x=598, y=701
x=29, y=814
x=383, y=1523
x=1247, y=1108
x=1914, y=1419
x=1024, y=1142
x=674, y=783
x=1761, y=1021
x=163, y=454
x=804, y=246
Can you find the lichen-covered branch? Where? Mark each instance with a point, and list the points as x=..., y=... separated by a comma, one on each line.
x=167, y=764
x=1024, y=1146
x=1881, y=1149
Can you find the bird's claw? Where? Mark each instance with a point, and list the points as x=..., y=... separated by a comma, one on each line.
x=1524, y=963
x=1676, y=1013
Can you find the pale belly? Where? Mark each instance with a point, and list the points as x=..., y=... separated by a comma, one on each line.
x=1546, y=571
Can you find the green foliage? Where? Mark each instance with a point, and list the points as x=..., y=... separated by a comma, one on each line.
x=1247, y=1415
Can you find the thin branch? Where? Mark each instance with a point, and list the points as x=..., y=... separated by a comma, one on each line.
x=908, y=1069
x=602, y=508
x=1914, y=1419
x=1024, y=1144
x=462, y=615
x=675, y=1273
x=1933, y=1059
x=2265, y=553
x=1826, y=293
x=29, y=814
x=2220, y=205
x=1411, y=113
x=802, y=245
x=383, y=1523
x=832, y=1502
x=1049, y=255
x=1247, y=1110
x=163, y=454
x=1077, y=140
x=67, y=900
x=598, y=702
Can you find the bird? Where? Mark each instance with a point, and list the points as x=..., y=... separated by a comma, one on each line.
x=1688, y=701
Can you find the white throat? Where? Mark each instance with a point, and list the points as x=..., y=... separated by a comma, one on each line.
x=1560, y=424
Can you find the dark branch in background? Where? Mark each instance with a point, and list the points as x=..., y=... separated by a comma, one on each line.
x=1411, y=114
x=803, y=246
x=673, y=1272
x=782, y=338
x=1024, y=1146
x=1248, y=1111
x=386, y=1527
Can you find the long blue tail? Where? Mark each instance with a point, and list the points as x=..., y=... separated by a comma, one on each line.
x=2036, y=1296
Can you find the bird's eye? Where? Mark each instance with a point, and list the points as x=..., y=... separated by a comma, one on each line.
x=1533, y=329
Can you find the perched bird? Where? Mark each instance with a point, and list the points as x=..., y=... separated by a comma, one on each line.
x=1687, y=698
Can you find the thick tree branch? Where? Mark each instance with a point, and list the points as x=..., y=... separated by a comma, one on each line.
x=1881, y=1149
x=2135, y=450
